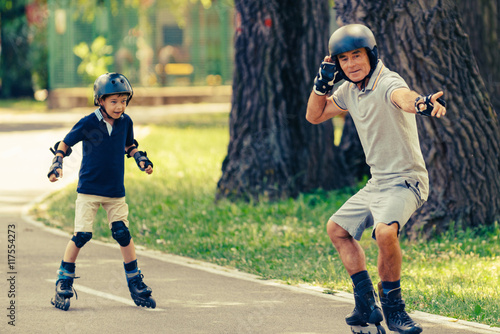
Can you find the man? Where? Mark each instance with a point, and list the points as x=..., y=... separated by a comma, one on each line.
x=383, y=109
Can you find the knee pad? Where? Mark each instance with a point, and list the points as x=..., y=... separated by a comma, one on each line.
x=81, y=238
x=120, y=233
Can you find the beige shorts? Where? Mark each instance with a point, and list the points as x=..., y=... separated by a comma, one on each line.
x=87, y=206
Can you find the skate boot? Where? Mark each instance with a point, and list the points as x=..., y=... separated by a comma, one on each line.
x=367, y=315
x=64, y=289
x=395, y=315
x=140, y=292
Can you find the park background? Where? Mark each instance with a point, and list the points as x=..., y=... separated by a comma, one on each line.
x=265, y=214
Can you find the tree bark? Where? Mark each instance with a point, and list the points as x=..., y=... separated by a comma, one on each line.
x=425, y=43
x=273, y=151
x=15, y=66
x=482, y=23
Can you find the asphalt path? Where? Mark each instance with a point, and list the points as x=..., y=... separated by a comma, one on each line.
x=191, y=296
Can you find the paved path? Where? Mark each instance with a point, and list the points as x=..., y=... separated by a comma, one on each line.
x=192, y=297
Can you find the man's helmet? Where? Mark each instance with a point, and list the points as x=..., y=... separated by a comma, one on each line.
x=112, y=83
x=351, y=37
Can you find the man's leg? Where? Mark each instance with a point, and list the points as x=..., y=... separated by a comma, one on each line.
x=389, y=266
x=389, y=257
x=352, y=255
x=350, y=252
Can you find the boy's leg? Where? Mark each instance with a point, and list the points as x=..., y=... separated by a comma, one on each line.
x=117, y=210
x=128, y=252
x=64, y=286
x=71, y=252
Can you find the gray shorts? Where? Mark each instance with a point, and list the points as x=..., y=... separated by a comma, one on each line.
x=383, y=202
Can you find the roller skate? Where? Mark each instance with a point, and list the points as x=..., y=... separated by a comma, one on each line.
x=139, y=291
x=394, y=312
x=367, y=315
x=64, y=290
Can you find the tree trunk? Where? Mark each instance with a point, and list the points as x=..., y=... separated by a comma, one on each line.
x=425, y=43
x=273, y=151
x=482, y=23
x=15, y=67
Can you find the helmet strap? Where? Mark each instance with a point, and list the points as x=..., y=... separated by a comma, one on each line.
x=101, y=107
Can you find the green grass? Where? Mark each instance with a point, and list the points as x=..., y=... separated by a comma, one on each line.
x=174, y=211
x=22, y=105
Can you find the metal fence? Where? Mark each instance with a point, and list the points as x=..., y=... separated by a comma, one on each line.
x=144, y=43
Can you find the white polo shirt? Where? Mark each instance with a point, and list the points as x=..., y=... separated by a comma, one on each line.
x=389, y=135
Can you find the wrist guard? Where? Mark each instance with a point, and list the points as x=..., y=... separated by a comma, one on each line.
x=142, y=156
x=325, y=79
x=425, y=101
x=57, y=163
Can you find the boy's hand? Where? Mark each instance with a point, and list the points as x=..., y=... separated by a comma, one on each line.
x=143, y=162
x=148, y=170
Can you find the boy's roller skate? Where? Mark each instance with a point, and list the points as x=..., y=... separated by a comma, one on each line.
x=140, y=292
x=367, y=315
x=64, y=289
x=395, y=315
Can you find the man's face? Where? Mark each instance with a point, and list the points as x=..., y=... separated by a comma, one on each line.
x=355, y=64
x=115, y=105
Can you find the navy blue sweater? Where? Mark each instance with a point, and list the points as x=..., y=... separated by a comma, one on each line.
x=103, y=163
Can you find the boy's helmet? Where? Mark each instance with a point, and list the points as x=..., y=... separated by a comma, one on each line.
x=351, y=37
x=112, y=83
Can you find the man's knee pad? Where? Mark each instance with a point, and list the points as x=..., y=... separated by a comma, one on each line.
x=120, y=233
x=81, y=238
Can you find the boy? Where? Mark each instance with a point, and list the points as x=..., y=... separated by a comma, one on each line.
x=106, y=135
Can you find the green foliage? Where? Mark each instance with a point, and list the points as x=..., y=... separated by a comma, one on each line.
x=96, y=59
x=174, y=211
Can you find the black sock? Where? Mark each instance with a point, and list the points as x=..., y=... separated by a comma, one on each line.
x=131, y=266
x=358, y=277
x=69, y=266
x=389, y=286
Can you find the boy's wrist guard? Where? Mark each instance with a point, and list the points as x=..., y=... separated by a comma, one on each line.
x=140, y=156
x=57, y=163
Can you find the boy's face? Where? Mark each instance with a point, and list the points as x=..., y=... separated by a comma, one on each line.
x=115, y=105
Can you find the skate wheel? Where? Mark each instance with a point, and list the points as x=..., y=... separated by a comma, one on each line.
x=61, y=304
x=151, y=303
x=368, y=329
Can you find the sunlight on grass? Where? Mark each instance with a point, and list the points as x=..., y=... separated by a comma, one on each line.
x=174, y=210
x=22, y=105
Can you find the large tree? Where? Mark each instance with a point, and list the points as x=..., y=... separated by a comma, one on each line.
x=273, y=151
x=482, y=23
x=424, y=41
x=15, y=67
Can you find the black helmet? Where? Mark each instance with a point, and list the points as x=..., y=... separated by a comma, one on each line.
x=351, y=37
x=112, y=83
